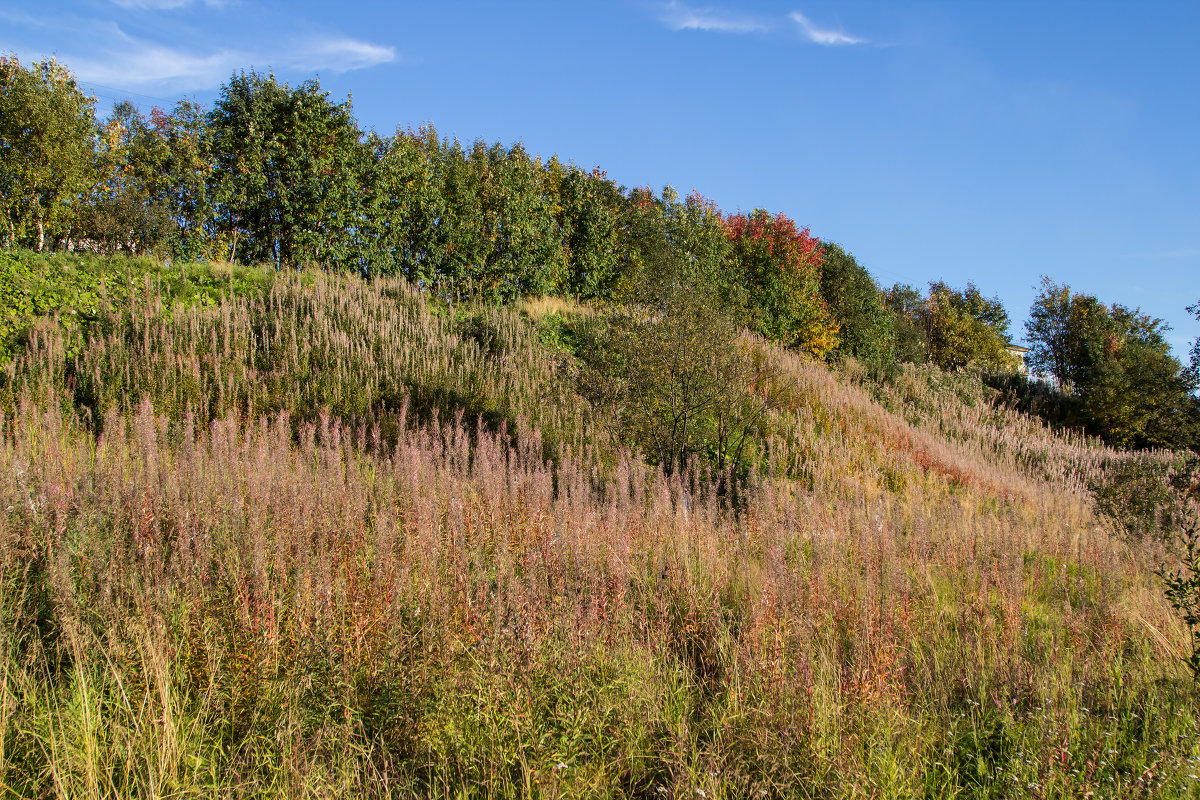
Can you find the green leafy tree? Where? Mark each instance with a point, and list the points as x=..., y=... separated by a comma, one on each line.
x=644, y=250
x=589, y=209
x=778, y=266
x=152, y=191
x=677, y=383
x=127, y=209
x=1066, y=332
x=461, y=244
x=964, y=328
x=1139, y=398
x=905, y=304
x=186, y=188
x=670, y=241
x=1116, y=364
x=247, y=184
x=699, y=241
x=866, y=328
x=288, y=166
x=1135, y=393
x=521, y=251
x=409, y=208
x=47, y=150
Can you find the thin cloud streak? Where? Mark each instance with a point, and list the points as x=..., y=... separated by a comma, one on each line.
x=346, y=54
x=678, y=17
x=824, y=37
x=124, y=60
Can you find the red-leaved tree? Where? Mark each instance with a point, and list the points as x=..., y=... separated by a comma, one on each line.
x=779, y=264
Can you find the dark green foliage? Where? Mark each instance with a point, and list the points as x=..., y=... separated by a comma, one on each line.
x=950, y=327
x=123, y=222
x=1064, y=331
x=644, y=247
x=125, y=211
x=187, y=185
x=490, y=222
x=1140, y=398
x=675, y=382
x=154, y=192
x=1116, y=364
x=866, y=327
x=911, y=343
x=698, y=240
x=591, y=206
x=562, y=333
x=128, y=209
x=982, y=747
x=516, y=251
x=408, y=209
x=1140, y=493
x=288, y=166
x=667, y=242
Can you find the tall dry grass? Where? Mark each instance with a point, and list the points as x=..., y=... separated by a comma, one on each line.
x=206, y=595
x=353, y=349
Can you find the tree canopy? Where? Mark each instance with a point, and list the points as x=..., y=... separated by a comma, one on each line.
x=1116, y=363
x=46, y=150
x=953, y=328
x=867, y=328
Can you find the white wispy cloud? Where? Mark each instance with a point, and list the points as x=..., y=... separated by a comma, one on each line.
x=343, y=54
x=119, y=59
x=678, y=17
x=820, y=35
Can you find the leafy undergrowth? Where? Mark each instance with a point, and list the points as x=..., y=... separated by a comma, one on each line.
x=77, y=290
x=249, y=550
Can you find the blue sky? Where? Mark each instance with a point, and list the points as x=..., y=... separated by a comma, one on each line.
x=990, y=142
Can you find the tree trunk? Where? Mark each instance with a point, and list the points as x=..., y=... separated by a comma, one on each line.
x=41, y=235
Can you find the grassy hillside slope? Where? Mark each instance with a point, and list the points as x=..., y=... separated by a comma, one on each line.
x=330, y=537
